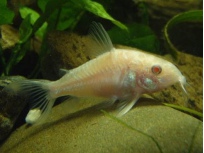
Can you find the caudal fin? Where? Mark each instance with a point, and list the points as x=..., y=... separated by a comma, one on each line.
x=38, y=96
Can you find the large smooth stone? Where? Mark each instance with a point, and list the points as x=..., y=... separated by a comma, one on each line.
x=148, y=128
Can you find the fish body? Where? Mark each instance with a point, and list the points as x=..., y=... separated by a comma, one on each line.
x=119, y=73
x=109, y=75
x=115, y=74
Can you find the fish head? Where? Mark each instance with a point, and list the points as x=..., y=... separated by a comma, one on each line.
x=156, y=74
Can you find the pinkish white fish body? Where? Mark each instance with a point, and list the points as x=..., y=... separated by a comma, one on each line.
x=115, y=74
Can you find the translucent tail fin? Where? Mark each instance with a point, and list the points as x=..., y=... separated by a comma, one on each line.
x=38, y=96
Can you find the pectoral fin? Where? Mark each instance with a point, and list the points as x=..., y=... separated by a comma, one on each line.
x=126, y=105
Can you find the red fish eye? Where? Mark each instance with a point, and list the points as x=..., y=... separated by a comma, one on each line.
x=156, y=69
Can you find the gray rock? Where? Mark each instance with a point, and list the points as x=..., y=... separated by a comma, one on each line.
x=148, y=128
x=10, y=107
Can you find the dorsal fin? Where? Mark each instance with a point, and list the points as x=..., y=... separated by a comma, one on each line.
x=98, y=40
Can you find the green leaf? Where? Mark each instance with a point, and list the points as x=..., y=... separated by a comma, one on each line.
x=185, y=109
x=73, y=13
x=2, y=62
x=21, y=52
x=190, y=16
x=50, y=7
x=69, y=21
x=25, y=29
x=6, y=15
x=99, y=10
x=42, y=4
x=143, y=13
x=139, y=36
x=25, y=11
x=66, y=16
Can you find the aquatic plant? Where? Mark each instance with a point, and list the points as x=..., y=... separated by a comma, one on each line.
x=65, y=15
x=58, y=15
x=186, y=110
x=195, y=16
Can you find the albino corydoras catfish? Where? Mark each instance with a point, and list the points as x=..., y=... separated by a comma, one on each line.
x=115, y=74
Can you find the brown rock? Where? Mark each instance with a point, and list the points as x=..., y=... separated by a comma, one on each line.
x=192, y=68
x=66, y=52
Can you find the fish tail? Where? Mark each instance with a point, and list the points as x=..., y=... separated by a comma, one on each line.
x=37, y=94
